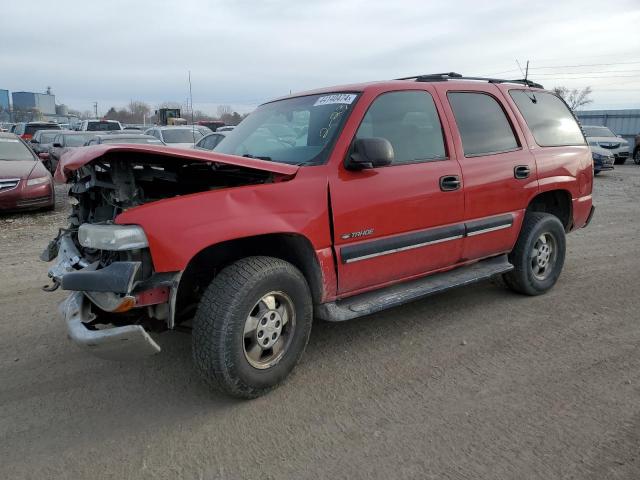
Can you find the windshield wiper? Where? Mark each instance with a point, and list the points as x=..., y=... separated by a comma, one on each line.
x=256, y=156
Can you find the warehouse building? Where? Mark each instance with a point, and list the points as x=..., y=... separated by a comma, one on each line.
x=625, y=123
x=4, y=99
x=44, y=103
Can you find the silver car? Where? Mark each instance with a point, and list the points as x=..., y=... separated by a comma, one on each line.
x=604, y=138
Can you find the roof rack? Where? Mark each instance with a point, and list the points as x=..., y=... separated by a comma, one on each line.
x=443, y=77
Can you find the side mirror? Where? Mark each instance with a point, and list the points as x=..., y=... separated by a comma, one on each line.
x=369, y=153
x=57, y=145
x=33, y=140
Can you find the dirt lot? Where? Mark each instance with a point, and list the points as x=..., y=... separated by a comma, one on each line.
x=476, y=383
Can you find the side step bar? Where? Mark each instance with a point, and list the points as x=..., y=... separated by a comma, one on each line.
x=395, y=295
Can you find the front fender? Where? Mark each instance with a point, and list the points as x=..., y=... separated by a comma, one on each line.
x=178, y=228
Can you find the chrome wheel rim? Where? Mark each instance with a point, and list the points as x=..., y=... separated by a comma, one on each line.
x=268, y=330
x=543, y=256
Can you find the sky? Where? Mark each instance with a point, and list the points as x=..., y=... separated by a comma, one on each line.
x=245, y=52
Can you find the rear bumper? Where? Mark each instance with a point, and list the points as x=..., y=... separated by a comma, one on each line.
x=115, y=343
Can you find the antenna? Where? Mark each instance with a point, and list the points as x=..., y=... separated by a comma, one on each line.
x=526, y=72
x=193, y=128
x=519, y=67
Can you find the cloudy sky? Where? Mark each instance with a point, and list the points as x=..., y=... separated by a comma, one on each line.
x=243, y=52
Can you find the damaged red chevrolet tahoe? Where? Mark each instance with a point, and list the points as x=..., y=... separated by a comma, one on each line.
x=335, y=203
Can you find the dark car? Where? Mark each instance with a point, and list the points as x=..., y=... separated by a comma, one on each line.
x=210, y=141
x=636, y=150
x=124, y=138
x=24, y=181
x=62, y=143
x=27, y=129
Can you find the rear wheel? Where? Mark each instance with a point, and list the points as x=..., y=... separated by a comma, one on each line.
x=636, y=157
x=538, y=256
x=252, y=326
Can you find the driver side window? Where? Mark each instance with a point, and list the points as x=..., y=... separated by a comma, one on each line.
x=409, y=120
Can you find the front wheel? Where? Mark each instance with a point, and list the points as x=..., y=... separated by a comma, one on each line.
x=252, y=326
x=538, y=256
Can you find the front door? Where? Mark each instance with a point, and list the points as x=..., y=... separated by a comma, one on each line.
x=404, y=220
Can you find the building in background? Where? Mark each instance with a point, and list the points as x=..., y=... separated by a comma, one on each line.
x=4, y=99
x=28, y=101
x=625, y=123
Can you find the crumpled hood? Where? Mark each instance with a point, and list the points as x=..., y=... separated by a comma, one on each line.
x=77, y=157
x=16, y=168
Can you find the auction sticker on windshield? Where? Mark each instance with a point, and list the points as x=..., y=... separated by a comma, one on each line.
x=347, y=98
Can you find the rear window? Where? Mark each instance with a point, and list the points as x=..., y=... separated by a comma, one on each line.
x=549, y=119
x=482, y=123
x=102, y=126
x=14, y=149
x=31, y=129
x=591, y=131
x=76, y=140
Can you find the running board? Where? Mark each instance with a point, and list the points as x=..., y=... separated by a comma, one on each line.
x=399, y=294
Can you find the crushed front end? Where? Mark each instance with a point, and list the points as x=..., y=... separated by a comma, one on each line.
x=117, y=297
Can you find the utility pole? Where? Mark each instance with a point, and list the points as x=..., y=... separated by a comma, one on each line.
x=95, y=108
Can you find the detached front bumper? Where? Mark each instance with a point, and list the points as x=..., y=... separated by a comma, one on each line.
x=109, y=290
x=115, y=343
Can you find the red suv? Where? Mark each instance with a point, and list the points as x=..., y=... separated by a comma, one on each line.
x=334, y=203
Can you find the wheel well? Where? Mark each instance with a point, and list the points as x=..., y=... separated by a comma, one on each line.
x=203, y=267
x=555, y=202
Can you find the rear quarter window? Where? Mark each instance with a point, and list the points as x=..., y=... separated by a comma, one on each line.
x=482, y=123
x=551, y=122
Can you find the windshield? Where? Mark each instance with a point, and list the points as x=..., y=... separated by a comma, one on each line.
x=31, y=129
x=297, y=130
x=119, y=139
x=181, y=135
x=591, y=131
x=76, y=140
x=14, y=149
x=102, y=126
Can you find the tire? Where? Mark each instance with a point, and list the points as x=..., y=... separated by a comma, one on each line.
x=636, y=157
x=246, y=294
x=528, y=276
x=620, y=161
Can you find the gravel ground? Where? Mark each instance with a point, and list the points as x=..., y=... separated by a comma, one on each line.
x=477, y=383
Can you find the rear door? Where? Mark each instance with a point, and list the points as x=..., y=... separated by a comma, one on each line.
x=498, y=171
x=396, y=222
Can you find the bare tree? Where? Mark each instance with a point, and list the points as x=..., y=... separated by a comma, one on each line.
x=575, y=97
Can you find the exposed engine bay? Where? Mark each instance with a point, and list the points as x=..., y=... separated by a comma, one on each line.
x=111, y=184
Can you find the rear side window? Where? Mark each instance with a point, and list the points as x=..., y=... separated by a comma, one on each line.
x=549, y=119
x=482, y=123
x=409, y=121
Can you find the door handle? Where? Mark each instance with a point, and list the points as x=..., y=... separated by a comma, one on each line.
x=521, y=171
x=449, y=183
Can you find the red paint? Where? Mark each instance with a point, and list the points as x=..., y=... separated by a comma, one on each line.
x=391, y=201
x=152, y=296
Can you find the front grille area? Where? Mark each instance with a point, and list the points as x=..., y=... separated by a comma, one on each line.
x=8, y=184
x=32, y=202
x=610, y=146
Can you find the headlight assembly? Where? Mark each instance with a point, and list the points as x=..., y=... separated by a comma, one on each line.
x=112, y=237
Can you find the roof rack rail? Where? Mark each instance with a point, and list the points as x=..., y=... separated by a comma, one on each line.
x=440, y=77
